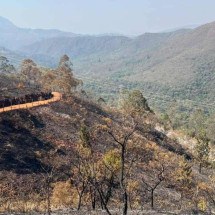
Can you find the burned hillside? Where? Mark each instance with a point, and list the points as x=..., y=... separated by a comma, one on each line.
x=77, y=133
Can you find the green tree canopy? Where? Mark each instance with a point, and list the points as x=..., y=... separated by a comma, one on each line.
x=65, y=81
x=30, y=73
x=5, y=66
x=133, y=102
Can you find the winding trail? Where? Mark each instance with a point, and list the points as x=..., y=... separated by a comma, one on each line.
x=56, y=97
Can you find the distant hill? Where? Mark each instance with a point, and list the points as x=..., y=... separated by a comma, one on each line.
x=14, y=57
x=13, y=37
x=94, y=48
x=170, y=66
x=76, y=46
x=167, y=67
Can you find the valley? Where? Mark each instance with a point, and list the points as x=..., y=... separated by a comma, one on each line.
x=107, y=124
x=167, y=67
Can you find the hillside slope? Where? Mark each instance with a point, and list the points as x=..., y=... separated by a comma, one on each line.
x=167, y=67
x=13, y=37
x=180, y=68
x=75, y=47
x=60, y=123
x=47, y=138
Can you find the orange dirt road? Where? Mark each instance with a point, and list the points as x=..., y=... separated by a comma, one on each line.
x=56, y=97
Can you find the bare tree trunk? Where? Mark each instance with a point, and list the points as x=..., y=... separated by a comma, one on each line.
x=200, y=167
x=94, y=203
x=125, y=206
x=79, y=202
x=152, y=199
x=103, y=203
x=48, y=198
x=122, y=183
x=129, y=202
x=151, y=188
x=93, y=198
x=123, y=187
x=80, y=195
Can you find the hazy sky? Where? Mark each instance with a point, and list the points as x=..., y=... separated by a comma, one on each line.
x=129, y=17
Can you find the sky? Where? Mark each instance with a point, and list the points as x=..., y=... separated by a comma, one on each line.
x=128, y=17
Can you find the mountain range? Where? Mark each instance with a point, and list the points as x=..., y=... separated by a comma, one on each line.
x=13, y=37
x=170, y=66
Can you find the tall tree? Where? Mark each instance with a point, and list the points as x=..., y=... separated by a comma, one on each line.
x=65, y=80
x=122, y=142
x=199, y=131
x=30, y=73
x=134, y=103
x=5, y=66
x=197, y=123
x=202, y=151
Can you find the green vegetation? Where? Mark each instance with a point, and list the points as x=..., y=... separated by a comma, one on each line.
x=78, y=154
x=165, y=67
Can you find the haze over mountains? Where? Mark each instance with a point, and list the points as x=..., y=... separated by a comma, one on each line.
x=176, y=65
x=13, y=37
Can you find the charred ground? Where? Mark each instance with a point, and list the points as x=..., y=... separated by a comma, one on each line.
x=37, y=141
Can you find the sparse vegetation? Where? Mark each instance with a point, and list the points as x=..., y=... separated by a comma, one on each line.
x=76, y=154
x=82, y=154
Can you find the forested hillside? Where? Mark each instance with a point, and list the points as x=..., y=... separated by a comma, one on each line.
x=168, y=67
x=79, y=154
x=107, y=107
x=180, y=68
x=13, y=37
